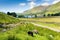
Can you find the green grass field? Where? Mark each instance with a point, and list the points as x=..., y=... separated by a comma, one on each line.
x=20, y=33
x=53, y=22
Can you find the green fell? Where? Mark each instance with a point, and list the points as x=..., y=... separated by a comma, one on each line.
x=55, y=8
x=4, y=18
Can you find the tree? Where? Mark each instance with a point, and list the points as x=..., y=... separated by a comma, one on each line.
x=48, y=15
x=35, y=15
x=44, y=15
x=21, y=16
x=14, y=14
x=52, y=14
x=8, y=13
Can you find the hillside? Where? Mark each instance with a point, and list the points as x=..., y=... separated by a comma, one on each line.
x=7, y=19
x=35, y=10
x=53, y=9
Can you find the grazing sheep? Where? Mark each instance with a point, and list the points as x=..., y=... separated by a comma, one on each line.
x=35, y=31
x=30, y=33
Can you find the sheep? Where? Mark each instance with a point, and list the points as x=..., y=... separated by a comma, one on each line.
x=30, y=33
x=35, y=31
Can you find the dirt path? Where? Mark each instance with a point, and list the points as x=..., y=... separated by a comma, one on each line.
x=46, y=27
x=14, y=25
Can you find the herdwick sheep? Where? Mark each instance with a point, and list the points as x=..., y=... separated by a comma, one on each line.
x=35, y=31
x=30, y=33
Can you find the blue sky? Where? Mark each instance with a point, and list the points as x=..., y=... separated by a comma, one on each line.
x=22, y=5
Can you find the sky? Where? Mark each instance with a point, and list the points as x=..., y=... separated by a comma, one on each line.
x=20, y=6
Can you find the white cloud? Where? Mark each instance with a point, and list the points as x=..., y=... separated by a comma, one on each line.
x=32, y=4
x=45, y=4
x=55, y=1
x=22, y=4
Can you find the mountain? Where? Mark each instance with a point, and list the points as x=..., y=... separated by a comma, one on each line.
x=35, y=10
x=53, y=9
x=4, y=18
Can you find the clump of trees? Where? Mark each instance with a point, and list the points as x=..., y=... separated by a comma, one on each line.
x=21, y=16
x=56, y=14
x=35, y=15
x=12, y=14
x=15, y=15
x=44, y=15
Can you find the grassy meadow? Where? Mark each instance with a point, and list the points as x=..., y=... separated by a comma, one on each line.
x=20, y=33
x=53, y=22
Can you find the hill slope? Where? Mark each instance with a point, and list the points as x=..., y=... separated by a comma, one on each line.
x=7, y=19
x=53, y=9
x=35, y=10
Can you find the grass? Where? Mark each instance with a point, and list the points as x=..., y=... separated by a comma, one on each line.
x=53, y=22
x=52, y=25
x=20, y=33
x=7, y=19
x=50, y=22
x=55, y=19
